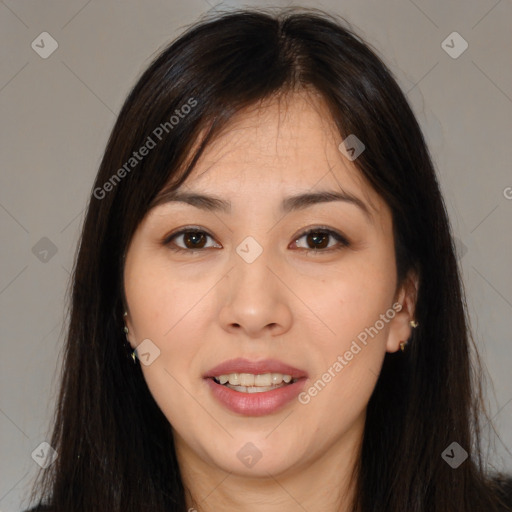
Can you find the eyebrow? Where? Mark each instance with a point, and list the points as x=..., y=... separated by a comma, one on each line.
x=289, y=204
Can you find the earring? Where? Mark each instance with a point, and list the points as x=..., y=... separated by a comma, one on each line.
x=129, y=348
x=403, y=344
x=125, y=314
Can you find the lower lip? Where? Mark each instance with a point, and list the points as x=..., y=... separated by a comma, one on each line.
x=256, y=404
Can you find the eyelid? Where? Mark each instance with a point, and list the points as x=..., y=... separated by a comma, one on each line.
x=341, y=239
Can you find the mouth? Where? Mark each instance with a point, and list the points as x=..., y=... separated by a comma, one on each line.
x=255, y=388
x=254, y=383
x=241, y=365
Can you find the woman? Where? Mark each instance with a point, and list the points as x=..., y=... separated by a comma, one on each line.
x=267, y=312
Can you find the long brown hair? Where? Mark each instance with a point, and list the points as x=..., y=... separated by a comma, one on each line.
x=115, y=447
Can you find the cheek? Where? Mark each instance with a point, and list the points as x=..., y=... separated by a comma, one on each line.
x=348, y=361
x=159, y=298
x=164, y=310
x=355, y=306
x=353, y=296
x=174, y=327
x=168, y=312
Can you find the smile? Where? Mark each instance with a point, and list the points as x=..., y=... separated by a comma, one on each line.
x=251, y=383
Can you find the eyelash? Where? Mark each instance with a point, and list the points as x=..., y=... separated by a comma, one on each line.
x=317, y=230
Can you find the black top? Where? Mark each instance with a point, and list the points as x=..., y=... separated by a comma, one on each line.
x=505, y=493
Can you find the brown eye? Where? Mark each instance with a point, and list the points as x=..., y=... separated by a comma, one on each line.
x=191, y=240
x=318, y=240
x=194, y=240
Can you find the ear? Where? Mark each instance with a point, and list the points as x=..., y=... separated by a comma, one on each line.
x=400, y=328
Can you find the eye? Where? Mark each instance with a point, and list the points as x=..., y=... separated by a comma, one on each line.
x=318, y=239
x=193, y=239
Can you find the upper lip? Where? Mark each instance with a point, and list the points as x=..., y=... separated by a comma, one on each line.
x=241, y=365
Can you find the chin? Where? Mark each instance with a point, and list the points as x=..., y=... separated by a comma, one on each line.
x=254, y=456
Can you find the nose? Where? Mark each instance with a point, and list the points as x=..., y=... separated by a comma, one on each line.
x=255, y=299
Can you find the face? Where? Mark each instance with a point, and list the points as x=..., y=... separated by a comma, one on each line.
x=252, y=283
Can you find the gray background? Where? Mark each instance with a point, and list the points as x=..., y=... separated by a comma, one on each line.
x=56, y=115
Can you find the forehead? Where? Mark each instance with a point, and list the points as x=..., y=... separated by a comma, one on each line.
x=291, y=136
x=278, y=147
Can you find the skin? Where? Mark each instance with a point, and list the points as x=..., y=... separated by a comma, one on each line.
x=302, y=308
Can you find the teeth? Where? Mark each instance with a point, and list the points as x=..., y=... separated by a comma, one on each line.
x=277, y=378
x=233, y=378
x=246, y=379
x=253, y=389
x=250, y=380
